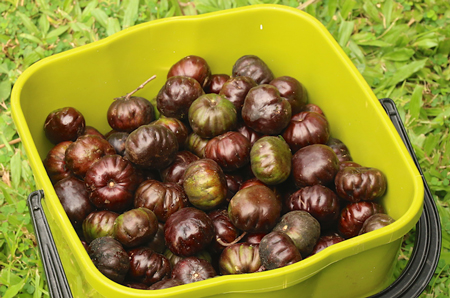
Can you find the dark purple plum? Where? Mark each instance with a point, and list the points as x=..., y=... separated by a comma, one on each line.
x=193, y=269
x=294, y=91
x=354, y=215
x=226, y=232
x=254, y=67
x=375, y=222
x=128, y=113
x=192, y=66
x=117, y=139
x=180, y=129
x=236, y=89
x=340, y=149
x=175, y=171
x=65, y=124
x=326, y=241
x=216, y=83
x=99, y=224
x=277, y=250
x=55, y=162
x=147, y=266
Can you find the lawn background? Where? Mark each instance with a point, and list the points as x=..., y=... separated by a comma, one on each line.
x=400, y=47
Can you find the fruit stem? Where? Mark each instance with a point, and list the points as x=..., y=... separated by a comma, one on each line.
x=220, y=241
x=127, y=97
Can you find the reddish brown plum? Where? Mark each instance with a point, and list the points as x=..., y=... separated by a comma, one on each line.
x=163, y=199
x=188, y=231
x=360, y=184
x=340, y=149
x=65, y=124
x=236, y=89
x=265, y=111
x=111, y=183
x=99, y=224
x=249, y=133
x=55, y=162
x=192, y=66
x=326, y=241
x=234, y=182
x=294, y=91
x=117, y=139
x=345, y=164
x=314, y=164
x=254, y=67
x=193, y=269
x=318, y=200
x=147, y=266
x=177, y=95
x=375, y=222
x=230, y=150
x=158, y=243
x=306, y=128
x=180, y=129
x=216, y=83
x=90, y=130
x=240, y=258
x=205, y=184
x=85, y=151
x=302, y=228
x=254, y=209
x=277, y=250
x=128, y=113
x=196, y=144
x=175, y=172
x=226, y=232
x=74, y=199
x=110, y=258
x=310, y=107
x=354, y=215
x=174, y=259
x=254, y=238
x=151, y=146
x=135, y=227
x=211, y=115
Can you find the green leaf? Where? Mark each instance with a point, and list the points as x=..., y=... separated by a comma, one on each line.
x=374, y=43
x=403, y=73
x=345, y=31
x=416, y=102
x=399, y=54
x=387, y=11
x=57, y=32
x=44, y=24
x=131, y=14
x=113, y=26
x=5, y=90
x=100, y=16
x=426, y=43
x=31, y=38
x=16, y=167
x=347, y=8
x=31, y=27
x=431, y=143
x=14, y=289
x=31, y=58
x=372, y=10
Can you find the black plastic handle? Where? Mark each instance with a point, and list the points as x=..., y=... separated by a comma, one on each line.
x=427, y=249
x=411, y=283
x=56, y=278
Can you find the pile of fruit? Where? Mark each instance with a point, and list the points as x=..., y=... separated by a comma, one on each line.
x=218, y=174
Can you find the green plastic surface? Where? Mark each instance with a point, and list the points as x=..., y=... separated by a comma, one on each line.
x=292, y=43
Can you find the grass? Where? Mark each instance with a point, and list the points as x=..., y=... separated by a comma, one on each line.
x=401, y=48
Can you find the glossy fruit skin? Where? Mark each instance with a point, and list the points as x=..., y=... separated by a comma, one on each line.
x=110, y=258
x=230, y=150
x=360, y=184
x=340, y=149
x=318, y=200
x=375, y=222
x=188, y=231
x=175, y=172
x=236, y=89
x=192, y=66
x=55, y=162
x=326, y=241
x=254, y=238
x=277, y=250
x=75, y=200
x=151, y=146
x=193, y=269
x=165, y=284
x=239, y=258
x=310, y=107
x=85, y=151
x=249, y=133
x=254, y=67
x=314, y=164
x=65, y=124
x=127, y=114
x=158, y=244
x=302, y=228
x=163, y=199
x=211, y=115
x=234, y=182
x=99, y=224
x=177, y=127
x=111, y=183
x=345, y=164
x=135, y=227
x=254, y=209
x=196, y=144
x=265, y=111
x=270, y=158
x=174, y=259
x=294, y=91
x=205, y=184
x=306, y=128
x=117, y=139
x=354, y=215
x=147, y=266
x=177, y=95
x=216, y=83
x=225, y=230
x=90, y=130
